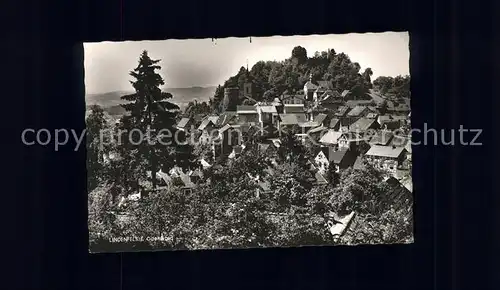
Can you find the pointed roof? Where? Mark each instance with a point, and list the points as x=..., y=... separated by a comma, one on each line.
x=205, y=123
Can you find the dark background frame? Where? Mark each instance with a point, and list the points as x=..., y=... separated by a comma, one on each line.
x=45, y=197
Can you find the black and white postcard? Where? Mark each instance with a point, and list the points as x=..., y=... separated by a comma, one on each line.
x=253, y=142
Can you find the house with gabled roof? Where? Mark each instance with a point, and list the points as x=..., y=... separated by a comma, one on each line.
x=331, y=138
x=342, y=159
x=353, y=141
x=389, y=122
x=362, y=125
x=290, y=121
x=294, y=99
x=316, y=133
x=386, y=157
x=247, y=114
x=382, y=137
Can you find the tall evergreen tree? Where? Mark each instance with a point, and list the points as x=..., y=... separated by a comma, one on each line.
x=150, y=111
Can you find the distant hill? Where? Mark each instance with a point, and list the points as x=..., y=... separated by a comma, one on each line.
x=181, y=96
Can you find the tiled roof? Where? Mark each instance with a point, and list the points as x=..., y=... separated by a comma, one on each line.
x=345, y=93
x=294, y=108
x=334, y=122
x=317, y=129
x=376, y=97
x=331, y=137
x=335, y=156
x=356, y=111
x=205, y=123
x=382, y=138
x=320, y=118
x=385, y=151
x=183, y=122
x=342, y=111
x=362, y=124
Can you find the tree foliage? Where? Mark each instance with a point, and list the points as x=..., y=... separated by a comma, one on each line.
x=397, y=87
x=151, y=111
x=96, y=124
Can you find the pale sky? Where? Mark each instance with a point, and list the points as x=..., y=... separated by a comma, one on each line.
x=200, y=62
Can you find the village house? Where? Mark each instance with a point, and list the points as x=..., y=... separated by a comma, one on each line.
x=362, y=125
x=331, y=100
x=208, y=129
x=292, y=99
x=382, y=137
x=315, y=134
x=318, y=121
x=355, y=114
x=291, y=121
x=229, y=135
x=293, y=108
x=268, y=115
x=389, y=122
x=352, y=141
x=247, y=114
x=330, y=138
x=386, y=157
x=342, y=159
